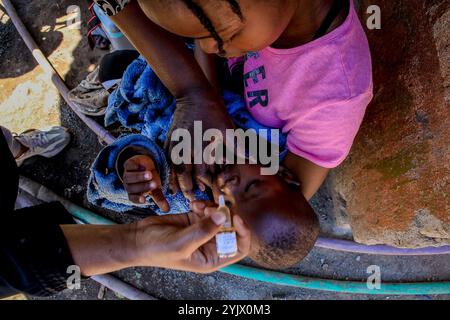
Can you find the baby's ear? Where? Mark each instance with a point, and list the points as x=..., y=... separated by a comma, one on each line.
x=288, y=176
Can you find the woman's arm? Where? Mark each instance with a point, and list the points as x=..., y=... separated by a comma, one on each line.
x=208, y=63
x=310, y=175
x=165, y=52
x=181, y=242
x=100, y=249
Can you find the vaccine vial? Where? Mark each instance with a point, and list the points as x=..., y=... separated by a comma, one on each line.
x=226, y=241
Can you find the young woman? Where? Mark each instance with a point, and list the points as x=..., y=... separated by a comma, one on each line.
x=306, y=70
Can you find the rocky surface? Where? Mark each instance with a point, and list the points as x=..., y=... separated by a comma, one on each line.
x=395, y=187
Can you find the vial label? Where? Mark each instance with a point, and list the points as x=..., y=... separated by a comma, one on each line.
x=226, y=243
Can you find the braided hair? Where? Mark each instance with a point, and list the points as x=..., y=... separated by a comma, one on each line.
x=236, y=8
x=206, y=21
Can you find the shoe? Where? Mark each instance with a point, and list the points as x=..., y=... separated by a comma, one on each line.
x=90, y=96
x=47, y=143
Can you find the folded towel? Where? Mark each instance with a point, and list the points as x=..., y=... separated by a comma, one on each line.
x=105, y=188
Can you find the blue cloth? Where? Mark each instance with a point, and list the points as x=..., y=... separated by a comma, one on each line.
x=143, y=104
x=105, y=188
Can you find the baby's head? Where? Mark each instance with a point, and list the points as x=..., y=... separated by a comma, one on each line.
x=230, y=28
x=284, y=227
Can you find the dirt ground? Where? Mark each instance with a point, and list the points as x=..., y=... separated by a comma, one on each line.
x=28, y=100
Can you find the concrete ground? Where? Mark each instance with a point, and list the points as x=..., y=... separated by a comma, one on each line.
x=28, y=100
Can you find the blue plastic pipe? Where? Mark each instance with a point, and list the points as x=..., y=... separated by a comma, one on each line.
x=353, y=247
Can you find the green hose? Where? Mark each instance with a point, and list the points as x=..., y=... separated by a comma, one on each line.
x=86, y=216
x=283, y=279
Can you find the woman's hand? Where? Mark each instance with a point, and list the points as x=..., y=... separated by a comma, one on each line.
x=212, y=114
x=186, y=241
x=181, y=242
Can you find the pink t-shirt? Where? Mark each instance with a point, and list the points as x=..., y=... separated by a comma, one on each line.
x=317, y=93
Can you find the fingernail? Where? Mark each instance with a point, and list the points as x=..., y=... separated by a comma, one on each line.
x=147, y=176
x=153, y=185
x=218, y=218
x=202, y=187
x=142, y=200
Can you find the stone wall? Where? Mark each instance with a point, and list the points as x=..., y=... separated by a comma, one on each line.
x=395, y=187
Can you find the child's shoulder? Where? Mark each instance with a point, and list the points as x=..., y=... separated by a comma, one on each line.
x=341, y=56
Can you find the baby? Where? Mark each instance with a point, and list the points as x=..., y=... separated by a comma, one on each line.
x=284, y=227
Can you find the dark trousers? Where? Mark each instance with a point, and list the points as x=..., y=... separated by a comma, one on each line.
x=34, y=255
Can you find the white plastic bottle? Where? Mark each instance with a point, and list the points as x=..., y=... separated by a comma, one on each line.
x=226, y=241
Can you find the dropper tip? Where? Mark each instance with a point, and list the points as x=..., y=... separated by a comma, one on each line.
x=221, y=201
